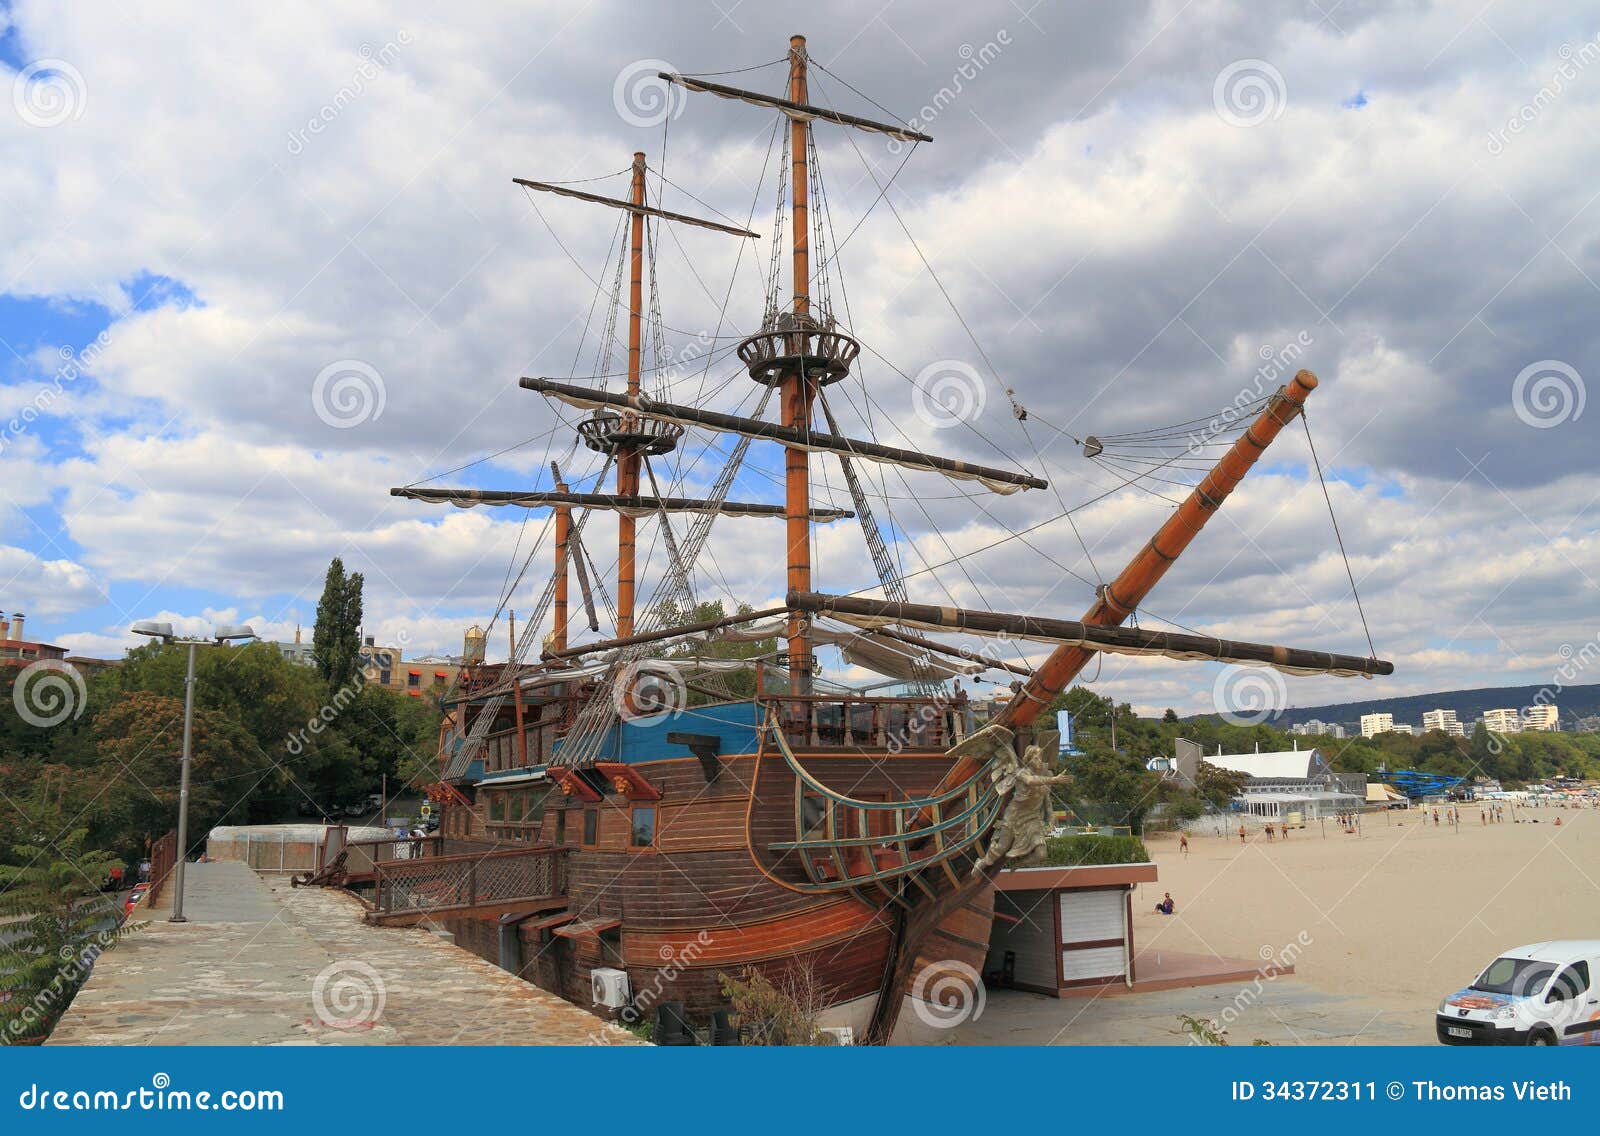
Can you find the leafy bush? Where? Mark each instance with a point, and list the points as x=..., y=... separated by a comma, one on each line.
x=1078, y=851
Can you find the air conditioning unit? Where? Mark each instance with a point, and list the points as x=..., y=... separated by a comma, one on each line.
x=842, y=1035
x=610, y=987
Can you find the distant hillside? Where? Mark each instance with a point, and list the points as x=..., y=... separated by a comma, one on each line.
x=1574, y=702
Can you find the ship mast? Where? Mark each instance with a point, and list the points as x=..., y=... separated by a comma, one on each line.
x=798, y=388
x=558, y=632
x=628, y=456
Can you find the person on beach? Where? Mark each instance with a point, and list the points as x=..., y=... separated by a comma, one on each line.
x=1183, y=843
x=1166, y=906
x=1241, y=834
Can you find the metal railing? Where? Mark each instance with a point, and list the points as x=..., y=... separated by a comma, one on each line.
x=434, y=883
x=163, y=856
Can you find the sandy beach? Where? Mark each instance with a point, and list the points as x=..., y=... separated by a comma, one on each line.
x=1401, y=914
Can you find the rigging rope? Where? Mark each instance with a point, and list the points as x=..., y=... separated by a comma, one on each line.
x=1338, y=536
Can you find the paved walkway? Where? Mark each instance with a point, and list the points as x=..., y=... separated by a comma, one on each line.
x=260, y=963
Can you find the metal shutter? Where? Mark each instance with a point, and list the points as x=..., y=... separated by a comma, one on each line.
x=1093, y=916
x=1089, y=915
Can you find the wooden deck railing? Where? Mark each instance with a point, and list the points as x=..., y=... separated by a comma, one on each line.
x=435, y=883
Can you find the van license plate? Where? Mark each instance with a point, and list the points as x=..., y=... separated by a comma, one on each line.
x=1457, y=1031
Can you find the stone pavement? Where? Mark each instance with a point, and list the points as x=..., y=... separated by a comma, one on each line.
x=1283, y=1011
x=260, y=963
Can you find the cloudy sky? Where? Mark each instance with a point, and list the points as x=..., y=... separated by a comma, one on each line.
x=258, y=266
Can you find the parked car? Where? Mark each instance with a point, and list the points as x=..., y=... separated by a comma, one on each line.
x=134, y=897
x=1540, y=994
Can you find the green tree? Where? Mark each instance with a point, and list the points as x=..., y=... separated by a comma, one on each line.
x=1109, y=787
x=60, y=924
x=140, y=743
x=336, y=639
x=1218, y=785
x=739, y=683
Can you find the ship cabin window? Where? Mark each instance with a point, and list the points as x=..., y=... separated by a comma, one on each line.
x=516, y=813
x=561, y=827
x=644, y=827
x=591, y=827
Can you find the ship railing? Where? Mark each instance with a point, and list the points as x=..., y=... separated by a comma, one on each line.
x=363, y=856
x=885, y=848
x=830, y=721
x=468, y=880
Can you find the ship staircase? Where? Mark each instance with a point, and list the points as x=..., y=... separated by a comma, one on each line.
x=918, y=861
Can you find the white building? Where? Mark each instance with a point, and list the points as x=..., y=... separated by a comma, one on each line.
x=1375, y=724
x=1443, y=720
x=1404, y=728
x=1293, y=781
x=1316, y=728
x=1541, y=718
x=1505, y=721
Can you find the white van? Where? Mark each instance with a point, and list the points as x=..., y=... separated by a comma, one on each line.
x=1542, y=994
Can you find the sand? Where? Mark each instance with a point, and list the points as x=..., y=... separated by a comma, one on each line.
x=1403, y=913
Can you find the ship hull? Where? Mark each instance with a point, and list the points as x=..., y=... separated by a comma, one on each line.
x=707, y=901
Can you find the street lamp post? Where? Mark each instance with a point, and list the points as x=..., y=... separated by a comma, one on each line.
x=163, y=631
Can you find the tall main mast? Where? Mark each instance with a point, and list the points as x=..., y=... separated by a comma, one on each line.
x=804, y=351
x=798, y=388
x=628, y=456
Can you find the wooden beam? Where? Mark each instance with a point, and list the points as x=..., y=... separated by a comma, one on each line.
x=1126, y=640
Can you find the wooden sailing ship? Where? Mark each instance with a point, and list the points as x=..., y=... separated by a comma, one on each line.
x=802, y=828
